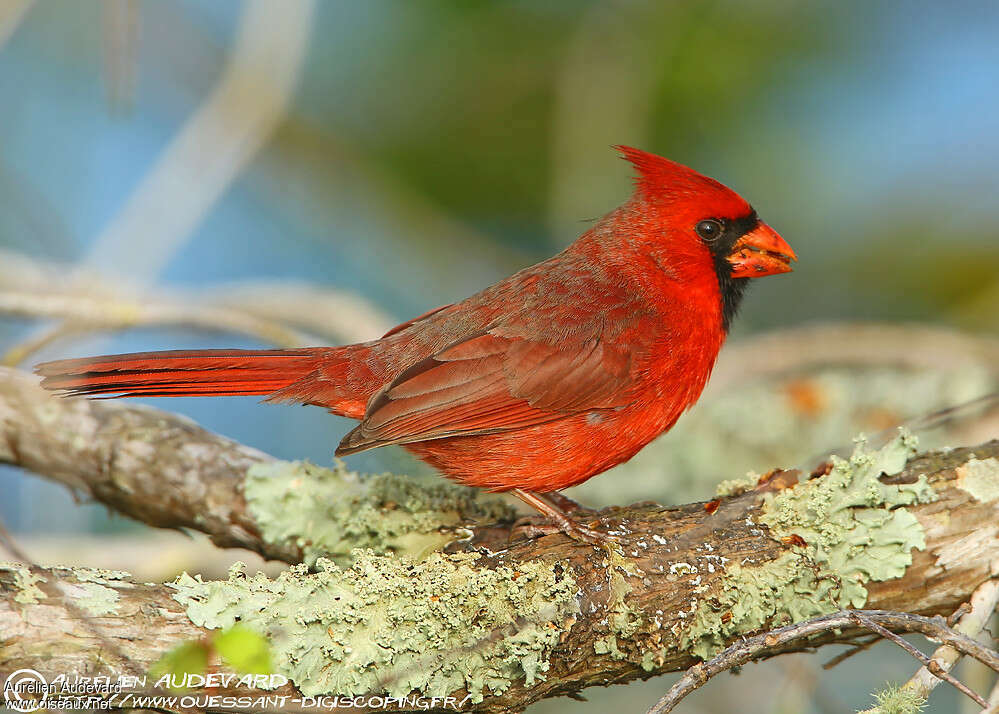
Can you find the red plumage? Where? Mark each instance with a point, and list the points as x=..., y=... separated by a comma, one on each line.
x=537, y=383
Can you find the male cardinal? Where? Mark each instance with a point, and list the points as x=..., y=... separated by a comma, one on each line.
x=537, y=383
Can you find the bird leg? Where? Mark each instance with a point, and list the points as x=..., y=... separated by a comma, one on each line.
x=554, y=507
x=566, y=504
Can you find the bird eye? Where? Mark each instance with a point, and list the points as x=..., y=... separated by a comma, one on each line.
x=708, y=230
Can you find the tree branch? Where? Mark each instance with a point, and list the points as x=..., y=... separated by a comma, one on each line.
x=152, y=466
x=981, y=606
x=506, y=623
x=166, y=471
x=861, y=618
x=283, y=313
x=883, y=622
x=90, y=314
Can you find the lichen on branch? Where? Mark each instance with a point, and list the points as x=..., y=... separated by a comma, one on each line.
x=395, y=625
x=332, y=512
x=837, y=532
x=841, y=530
x=510, y=620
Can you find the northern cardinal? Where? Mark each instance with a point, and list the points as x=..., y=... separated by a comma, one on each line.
x=537, y=383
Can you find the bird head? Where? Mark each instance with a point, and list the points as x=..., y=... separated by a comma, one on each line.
x=702, y=213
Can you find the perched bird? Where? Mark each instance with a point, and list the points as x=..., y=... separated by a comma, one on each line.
x=547, y=378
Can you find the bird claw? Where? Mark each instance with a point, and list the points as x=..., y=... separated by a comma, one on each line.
x=531, y=528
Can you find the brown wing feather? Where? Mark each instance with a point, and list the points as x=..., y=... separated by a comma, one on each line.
x=488, y=383
x=409, y=323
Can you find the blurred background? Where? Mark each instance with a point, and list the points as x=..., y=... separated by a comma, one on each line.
x=211, y=174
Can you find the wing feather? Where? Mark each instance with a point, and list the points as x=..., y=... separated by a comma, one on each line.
x=490, y=382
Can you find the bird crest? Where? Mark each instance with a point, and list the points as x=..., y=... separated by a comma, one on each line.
x=660, y=178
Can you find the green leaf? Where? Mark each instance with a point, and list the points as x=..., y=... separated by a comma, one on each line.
x=244, y=650
x=184, y=659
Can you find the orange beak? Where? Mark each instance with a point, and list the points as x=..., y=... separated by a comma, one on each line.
x=760, y=252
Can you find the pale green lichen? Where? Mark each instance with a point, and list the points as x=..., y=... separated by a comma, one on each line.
x=651, y=659
x=90, y=592
x=980, y=479
x=899, y=700
x=622, y=619
x=26, y=582
x=395, y=624
x=103, y=576
x=852, y=522
x=330, y=512
x=608, y=645
x=96, y=589
x=96, y=600
x=777, y=591
x=735, y=486
x=855, y=529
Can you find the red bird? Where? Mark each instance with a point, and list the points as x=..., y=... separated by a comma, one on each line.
x=535, y=384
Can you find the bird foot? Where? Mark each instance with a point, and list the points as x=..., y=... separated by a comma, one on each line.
x=534, y=527
x=556, y=509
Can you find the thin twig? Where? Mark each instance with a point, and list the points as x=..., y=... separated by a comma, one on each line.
x=972, y=620
x=11, y=546
x=924, y=422
x=753, y=647
x=932, y=666
x=853, y=344
x=37, y=342
x=332, y=314
x=963, y=609
x=98, y=313
x=280, y=312
x=856, y=649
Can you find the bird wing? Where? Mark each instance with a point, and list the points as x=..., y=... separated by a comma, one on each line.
x=409, y=323
x=491, y=382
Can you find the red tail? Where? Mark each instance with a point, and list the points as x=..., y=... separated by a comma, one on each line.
x=181, y=373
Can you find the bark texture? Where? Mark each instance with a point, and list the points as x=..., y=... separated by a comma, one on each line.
x=640, y=583
x=158, y=468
